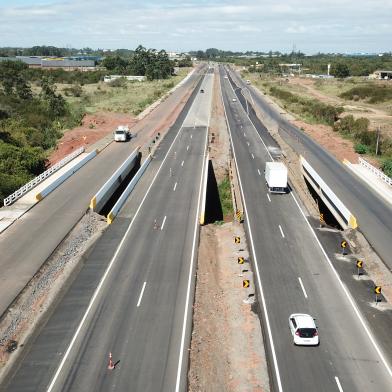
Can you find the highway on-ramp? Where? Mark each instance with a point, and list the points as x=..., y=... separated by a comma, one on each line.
x=140, y=308
x=294, y=275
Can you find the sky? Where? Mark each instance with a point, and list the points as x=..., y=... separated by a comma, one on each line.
x=311, y=26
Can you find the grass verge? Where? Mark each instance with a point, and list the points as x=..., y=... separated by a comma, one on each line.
x=224, y=189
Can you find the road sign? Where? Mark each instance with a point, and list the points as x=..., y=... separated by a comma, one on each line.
x=377, y=290
x=237, y=240
x=245, y=283
x=241, y=260
x=359, y=263
x=322, y=218
x=343, y=244
x=239, y=215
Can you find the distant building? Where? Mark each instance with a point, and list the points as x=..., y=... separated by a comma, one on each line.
x=66, y=63
x=382, y=75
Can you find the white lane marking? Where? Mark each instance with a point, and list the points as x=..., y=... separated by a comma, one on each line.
x=248, y=144
x=281, y=231
x=264, y=304
x=244, y=134
x=187, y=148
x=191, y=136
x=345, y=290
x=258, y=171
x=302, y=287
x=105, y=275
x=141, y=295
x=253, y=157
x=175, y=186
x=269, y=199
x=182, y=163
x=339, y=386
x=190, y=275
x=163, y=223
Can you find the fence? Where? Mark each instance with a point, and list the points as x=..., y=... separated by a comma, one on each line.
x=375, y=171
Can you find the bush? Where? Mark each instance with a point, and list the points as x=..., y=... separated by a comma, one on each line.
x=120, y=82
x=387, y=167
x=360, y=148
x=370, y=92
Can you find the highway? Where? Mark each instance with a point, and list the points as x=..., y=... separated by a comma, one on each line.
x=373, y=213
x=294, y=275
x=51, y=220
x=134, y=295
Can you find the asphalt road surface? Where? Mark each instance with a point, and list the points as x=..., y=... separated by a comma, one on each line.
x=373, y=213
x=132, y=298
x=293, y=275
x=26, y=244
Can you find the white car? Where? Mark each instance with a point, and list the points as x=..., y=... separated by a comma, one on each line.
x=303, y=329
x=234, y=99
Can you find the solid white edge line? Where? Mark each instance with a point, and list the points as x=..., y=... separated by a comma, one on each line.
x=163, y=223
x=175, y=186
x=268, y=196
x=345, y=290
x=180, y=359
x=269, y=331
x=258, y=171
x=141, y=295
x=281, y=231
x=339, y=385
x=109, y=267
x=303, y=287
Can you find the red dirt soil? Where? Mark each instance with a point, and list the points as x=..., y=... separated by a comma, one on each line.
x=93, y=128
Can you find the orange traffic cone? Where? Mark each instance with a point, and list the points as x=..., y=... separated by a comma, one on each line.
x=110, y=365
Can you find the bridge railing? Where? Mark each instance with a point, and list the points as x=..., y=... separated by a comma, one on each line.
x=375, y=171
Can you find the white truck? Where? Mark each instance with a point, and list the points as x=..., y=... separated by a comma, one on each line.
x=276, y=177
x=122, y=133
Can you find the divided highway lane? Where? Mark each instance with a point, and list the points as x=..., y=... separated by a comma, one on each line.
x=142, y=308
x=374, y=214
x=50, y=220
x=296, y=277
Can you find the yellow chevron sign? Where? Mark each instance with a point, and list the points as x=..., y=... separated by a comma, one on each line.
x=343, y=244
x=359, y=263
x=245, y=283
x=237, y=240
x=241, y=260
x=377, y=290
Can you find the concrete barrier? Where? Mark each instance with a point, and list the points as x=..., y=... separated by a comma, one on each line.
x=204, y=195
x=334, y=204
x=120, y=202
x=51, y=187
x=110, y=186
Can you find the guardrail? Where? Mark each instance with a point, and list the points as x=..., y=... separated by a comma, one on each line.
x=120, y=202
x=375, y=171
x=342, y=214
x=35, y=181
x=107, y=189
x=51, y=187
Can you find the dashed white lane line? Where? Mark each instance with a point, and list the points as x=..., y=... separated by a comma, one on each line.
x=187, y=148
x=258, y=171
x=302, y=287
x=281, y=231
x=141, y=295
x=248, y=144
x=163, y=223
x=269, y=199
x=175, y=186
x=182, y=163
x=244, y=134
x=338, y=383
x=191, y=136
x=253, y=157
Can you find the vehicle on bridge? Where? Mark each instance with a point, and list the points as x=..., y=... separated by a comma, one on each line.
x=276, y=177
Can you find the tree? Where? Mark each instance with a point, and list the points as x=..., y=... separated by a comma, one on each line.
x=340, y=70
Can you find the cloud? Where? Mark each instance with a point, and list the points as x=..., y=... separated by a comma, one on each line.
x=322, y=25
